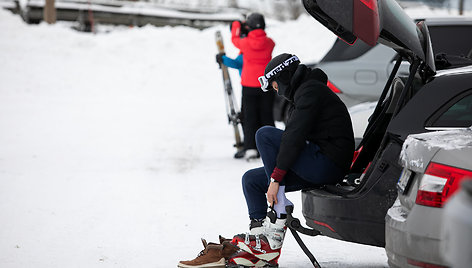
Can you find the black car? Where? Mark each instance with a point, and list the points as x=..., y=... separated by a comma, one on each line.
x=355, y=210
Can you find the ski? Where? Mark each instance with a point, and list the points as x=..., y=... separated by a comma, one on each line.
x=231, y=104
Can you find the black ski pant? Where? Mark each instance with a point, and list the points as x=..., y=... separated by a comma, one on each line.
x=257, y=107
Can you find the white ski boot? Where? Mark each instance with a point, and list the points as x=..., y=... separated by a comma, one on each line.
x=272, y=228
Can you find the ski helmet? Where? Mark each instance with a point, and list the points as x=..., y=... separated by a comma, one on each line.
x=280, y=69
x=255, y=21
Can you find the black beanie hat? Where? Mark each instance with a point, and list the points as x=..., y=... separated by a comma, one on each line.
x=288, y=70
x=280, y=69
x=255, y=21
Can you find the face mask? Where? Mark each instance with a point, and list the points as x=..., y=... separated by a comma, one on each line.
x=284, y=89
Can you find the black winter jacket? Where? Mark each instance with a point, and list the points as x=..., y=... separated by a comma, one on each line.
x=319, y=116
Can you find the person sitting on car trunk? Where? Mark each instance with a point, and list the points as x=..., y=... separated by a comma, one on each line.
x=315, y=148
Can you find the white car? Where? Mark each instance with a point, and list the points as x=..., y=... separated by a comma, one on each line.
x=434, y=165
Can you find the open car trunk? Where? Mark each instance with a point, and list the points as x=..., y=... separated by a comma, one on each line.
x=357, y=213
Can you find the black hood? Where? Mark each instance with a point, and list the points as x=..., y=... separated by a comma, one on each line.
x=301, y=74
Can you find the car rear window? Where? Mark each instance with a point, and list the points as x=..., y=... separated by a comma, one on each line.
x=457, y=114
x=452, y=39
x=342, y=51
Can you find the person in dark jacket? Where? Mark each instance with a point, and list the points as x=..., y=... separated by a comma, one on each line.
x=257, y=106
x=316, y=147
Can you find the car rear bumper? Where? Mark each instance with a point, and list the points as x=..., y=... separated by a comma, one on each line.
x=409, y=239
x=346, y=218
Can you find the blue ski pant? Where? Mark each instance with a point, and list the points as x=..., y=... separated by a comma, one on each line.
x=312, y=168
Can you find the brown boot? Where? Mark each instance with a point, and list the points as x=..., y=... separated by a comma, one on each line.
x=211, y=256
x=228, y=249
x=223, y=239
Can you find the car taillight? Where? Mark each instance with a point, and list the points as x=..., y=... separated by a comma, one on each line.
x=333, y=87
x=366, y=21
x=439, y=183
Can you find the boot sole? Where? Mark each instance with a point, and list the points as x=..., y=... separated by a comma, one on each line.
x=244, y=266
x=219, y=264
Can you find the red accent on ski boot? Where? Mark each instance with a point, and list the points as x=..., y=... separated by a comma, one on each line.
x=255, y=252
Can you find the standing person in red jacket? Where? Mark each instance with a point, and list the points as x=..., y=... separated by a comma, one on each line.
x=257, y=105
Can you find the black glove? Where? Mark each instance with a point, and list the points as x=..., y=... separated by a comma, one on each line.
x=219, y=58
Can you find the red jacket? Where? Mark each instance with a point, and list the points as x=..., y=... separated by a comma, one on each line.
x=257, y=52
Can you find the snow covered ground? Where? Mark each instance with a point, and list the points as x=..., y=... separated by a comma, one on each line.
x=115, y=149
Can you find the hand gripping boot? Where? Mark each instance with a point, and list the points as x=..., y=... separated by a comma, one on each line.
x=272, y=228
